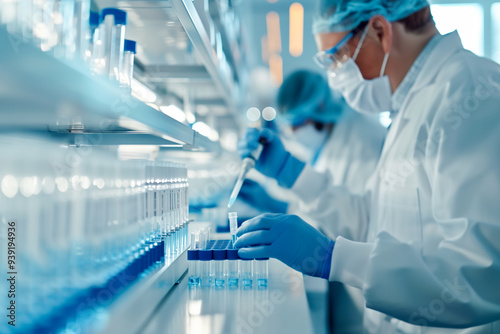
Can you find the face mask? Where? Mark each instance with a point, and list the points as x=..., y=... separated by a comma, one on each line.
x=308, y=141
x=366, y=96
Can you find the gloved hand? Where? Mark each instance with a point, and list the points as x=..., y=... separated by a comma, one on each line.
x=255, y=195
x=288, y=239
x=275, y=161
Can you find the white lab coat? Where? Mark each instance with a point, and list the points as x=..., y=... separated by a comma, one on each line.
x=423, y=242
x=350, y=156
x=351, y=153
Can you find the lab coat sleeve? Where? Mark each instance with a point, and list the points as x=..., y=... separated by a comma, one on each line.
x=456, y=284
x=332, y=209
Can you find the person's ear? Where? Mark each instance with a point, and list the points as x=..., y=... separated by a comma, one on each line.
x=382, y=32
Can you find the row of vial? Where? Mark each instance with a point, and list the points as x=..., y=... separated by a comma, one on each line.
x=85, y=230
x=217, y=263
x=69, y=30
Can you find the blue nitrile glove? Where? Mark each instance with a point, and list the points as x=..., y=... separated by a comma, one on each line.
x=275, y=161
x=255, y=195
x=288, y=239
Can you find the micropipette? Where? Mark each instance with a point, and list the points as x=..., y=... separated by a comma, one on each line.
x=248, y=164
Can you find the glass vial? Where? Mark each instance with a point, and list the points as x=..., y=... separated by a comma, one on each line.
x=246, y=273
x=112, y=38
x=233, y=225
x=127, y=69
x=194, y=264
x=233, y=268
x=220, y=265
x=205, y=267
x=261, y=270
x=90, y=35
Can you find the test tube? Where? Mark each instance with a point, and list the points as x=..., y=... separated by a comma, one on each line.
x=194, y=263
x=233, y=267
x=205, y=256
x=113, y=37
x=261, y=269
x=233, y=225
x=82, y=22
x=63, y=14
x=93, y=26
x=246, y=269
x=220, y=256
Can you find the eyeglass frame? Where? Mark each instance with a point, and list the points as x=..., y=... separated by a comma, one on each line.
x=336, y=48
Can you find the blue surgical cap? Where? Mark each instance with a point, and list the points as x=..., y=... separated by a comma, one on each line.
x=306, y=95
x=346, y=15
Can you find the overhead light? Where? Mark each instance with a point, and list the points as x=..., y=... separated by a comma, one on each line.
x=142, y=92
x=253, y=114
x=265, y=49
x=276, y=68
x=205, y=130
x=269, y=114
x=174, y=112
x=296, y=29
x=273, y=32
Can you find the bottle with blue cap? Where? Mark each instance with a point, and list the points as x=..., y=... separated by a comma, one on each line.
x=112, y=37
x=93, y=26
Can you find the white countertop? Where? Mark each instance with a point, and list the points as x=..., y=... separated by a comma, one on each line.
x=281, y=308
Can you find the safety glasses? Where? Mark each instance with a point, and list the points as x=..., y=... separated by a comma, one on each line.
x=334, y=57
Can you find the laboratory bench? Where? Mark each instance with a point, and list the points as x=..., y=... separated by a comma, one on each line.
x=162, y=302
x=280, y=308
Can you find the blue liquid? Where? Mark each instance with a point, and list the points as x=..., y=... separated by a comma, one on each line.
x=193, y=281
x=233, y=282
x=233, y=238
x=247, y=282
x=262, y=282
x=219, y=283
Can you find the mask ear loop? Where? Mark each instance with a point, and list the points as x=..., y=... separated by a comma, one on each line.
x=358, y=48
x=384, y=64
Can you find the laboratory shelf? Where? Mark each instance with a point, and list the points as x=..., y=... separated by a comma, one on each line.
x=281, y=308
x=233, y=52
x=129, y=313
x=41, y=93
x=191, y=21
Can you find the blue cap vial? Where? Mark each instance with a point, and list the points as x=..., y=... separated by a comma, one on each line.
x=129, y=46
x=120, y=15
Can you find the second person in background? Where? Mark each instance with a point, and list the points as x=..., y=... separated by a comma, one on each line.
x=324, y=132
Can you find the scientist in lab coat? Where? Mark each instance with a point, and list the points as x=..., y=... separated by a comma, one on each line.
x=322, y=130
x=423, y=242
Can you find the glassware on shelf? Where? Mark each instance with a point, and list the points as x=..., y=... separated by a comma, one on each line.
x=127, y=68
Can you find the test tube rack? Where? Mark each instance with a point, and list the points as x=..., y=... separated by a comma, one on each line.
x=219, y=265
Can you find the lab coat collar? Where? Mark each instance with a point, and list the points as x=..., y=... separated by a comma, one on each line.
x=426, y=66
